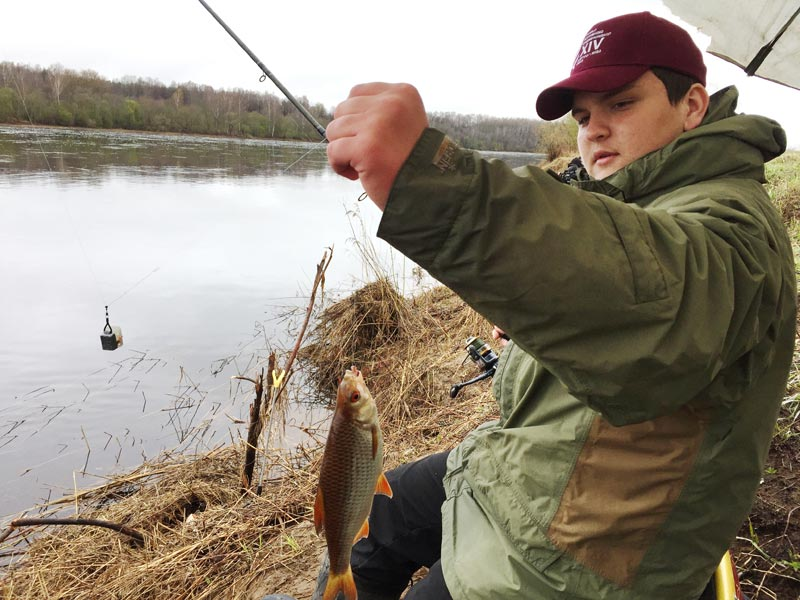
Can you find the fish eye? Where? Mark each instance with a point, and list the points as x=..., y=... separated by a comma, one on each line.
x=354, y=397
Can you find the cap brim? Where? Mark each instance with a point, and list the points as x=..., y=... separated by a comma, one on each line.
x=556, y=101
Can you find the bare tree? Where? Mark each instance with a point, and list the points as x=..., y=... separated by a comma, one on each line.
x=57, y=76
x=177, y=97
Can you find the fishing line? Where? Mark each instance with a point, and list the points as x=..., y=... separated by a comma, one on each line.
x=80, y=243
x=313, y=149
x=133, y=287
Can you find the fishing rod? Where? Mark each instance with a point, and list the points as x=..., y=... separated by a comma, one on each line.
x=320, y=129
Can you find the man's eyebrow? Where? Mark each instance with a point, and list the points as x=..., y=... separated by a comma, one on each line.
x=607, y=95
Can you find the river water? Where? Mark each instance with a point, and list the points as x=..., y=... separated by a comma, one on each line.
x=205, y=251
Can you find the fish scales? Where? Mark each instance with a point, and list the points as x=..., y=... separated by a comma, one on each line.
x=349, y=484
x=351, y=473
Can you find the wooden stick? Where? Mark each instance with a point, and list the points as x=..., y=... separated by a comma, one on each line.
x=253, y=433
x=319, y=280
x=90, y=522
x=266, y=417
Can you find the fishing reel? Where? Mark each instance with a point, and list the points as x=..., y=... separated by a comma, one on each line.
x=482, y=355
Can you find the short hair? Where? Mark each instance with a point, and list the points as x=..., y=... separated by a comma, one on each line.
x=677, y=84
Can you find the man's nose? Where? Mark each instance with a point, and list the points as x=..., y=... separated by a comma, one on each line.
x=597, y=128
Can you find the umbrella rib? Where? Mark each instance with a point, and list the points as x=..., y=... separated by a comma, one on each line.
x=765, y=50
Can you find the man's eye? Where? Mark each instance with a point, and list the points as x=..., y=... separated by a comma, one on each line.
x=582, y=120
x=622, y=104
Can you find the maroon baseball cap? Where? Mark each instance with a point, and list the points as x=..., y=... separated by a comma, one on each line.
x=618, y=51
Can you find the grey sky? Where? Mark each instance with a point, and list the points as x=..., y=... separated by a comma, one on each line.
x=484, y=57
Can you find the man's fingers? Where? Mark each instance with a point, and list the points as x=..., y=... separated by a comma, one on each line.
x=360, y=98
x=351, y=106
x=345, y=144
x=370, y=89
x=342, y=126
x=364, y=96
x=500, y=335
x=339, y=153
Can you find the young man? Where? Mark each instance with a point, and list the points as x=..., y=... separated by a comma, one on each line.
x=651, y=308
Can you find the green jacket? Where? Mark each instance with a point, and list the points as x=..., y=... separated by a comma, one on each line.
x=652, y=317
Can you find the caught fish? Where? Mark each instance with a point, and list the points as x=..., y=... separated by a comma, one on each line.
x=351, y=474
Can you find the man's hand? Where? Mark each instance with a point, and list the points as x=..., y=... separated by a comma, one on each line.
x=499, y=335
x=372, y=134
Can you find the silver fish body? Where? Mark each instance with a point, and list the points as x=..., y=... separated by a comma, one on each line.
x=351, y=474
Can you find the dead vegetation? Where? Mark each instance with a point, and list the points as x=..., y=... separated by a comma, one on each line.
x=203, y=537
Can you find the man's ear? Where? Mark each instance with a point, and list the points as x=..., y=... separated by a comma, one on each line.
x=695, y=103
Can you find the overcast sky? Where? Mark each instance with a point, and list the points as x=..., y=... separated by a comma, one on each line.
x=489, y=57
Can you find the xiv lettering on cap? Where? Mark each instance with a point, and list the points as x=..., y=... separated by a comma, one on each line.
x=592, y=45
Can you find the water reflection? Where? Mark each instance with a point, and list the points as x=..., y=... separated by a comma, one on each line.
x=87, y=155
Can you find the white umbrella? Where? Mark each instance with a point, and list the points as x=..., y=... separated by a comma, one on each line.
x=763, y=38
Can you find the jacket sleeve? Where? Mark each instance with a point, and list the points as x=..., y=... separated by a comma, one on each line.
x=635, y=310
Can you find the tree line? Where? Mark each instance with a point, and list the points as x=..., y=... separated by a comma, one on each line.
x=63, y=97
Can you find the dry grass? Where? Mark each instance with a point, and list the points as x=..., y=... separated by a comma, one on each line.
x=203, y=538
x=784, y=186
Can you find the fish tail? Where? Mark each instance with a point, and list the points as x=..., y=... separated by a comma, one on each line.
x=340, y=582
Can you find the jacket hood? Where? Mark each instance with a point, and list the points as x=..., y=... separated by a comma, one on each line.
x=725, y=144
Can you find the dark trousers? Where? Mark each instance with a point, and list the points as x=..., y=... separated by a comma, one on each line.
x=405, y=533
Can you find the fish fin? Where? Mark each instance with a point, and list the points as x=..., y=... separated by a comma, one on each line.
x=374, y=441
x=319, y=512
x=363, y=532
x=341, y=582
x=383, y=486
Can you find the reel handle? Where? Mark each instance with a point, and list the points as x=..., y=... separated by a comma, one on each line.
x=485, y=375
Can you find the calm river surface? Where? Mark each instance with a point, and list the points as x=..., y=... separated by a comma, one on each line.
x=201, y=247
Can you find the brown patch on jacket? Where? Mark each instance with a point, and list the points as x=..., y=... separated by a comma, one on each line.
x=625, y=483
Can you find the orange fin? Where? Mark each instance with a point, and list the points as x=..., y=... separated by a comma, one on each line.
x=319, y=512
x=340, y=582
x=363, y=532
x=374, y=441
x=383, y=486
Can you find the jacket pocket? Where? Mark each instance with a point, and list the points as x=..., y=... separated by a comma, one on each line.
x=510, y=507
